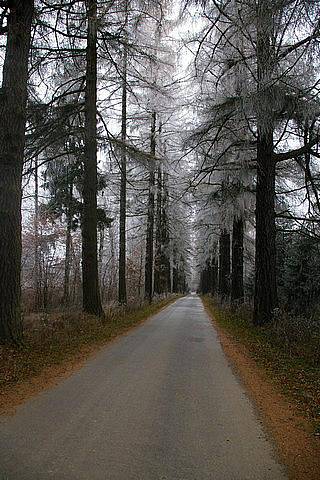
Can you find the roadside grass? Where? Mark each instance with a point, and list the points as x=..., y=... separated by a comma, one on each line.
x=55, y=339
x=290, y=360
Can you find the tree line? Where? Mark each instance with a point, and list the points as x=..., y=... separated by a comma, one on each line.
x=256, y=147
x=137, y=159
x=86, y=176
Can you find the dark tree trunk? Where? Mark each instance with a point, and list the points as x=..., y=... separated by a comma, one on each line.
x=13, y=100
x=179, y=283
x=237, y=261
x=224, y=265
x=102, y=228
x=67, y=267
x=205, y=280
x=165, y=237
x=158, y=239
x=213, y=275
x=122, y=290
x=208, y=277
x=90, y=276
x=140, y=286
x=162, y=260
x=265, y=298
x=174, y=279
x=38, y=301
x=150, y=218
x=67, y=260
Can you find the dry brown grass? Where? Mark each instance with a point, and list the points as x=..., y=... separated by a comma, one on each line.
x=287, y=399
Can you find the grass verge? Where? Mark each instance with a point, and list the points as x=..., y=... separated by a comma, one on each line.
x=272, y=376
x=291, y=369
x=57, y=344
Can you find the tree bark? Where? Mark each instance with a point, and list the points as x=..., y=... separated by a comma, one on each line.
x=13, y=100
x=90, y=276
x=38, y=302
x=162, y=260
x=122, y=291
x=150, y=218
x=158, y=240
x=213, y=275
x=265, y=298
x=67, y=260
x=224, y=265
x=237, y=293
x=179, y=283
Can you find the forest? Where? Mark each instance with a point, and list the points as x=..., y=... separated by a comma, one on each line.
x=160, y=169
x=151, y=148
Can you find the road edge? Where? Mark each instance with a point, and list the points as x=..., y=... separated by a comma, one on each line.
x=290, y=431
x=13, y=396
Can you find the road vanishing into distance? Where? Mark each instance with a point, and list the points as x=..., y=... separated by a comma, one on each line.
x=160, y=403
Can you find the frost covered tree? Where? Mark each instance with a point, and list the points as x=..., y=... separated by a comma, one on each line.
x=276, y=95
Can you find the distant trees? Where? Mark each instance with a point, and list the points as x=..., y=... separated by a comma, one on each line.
x=298, y=271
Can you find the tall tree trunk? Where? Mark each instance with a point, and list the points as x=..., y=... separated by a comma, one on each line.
x=102, y=230
x=213, y=275
x=158, y=239
x=175, y=279
x=224, y=265
x=140, y=285
x=67, y=266
x=102, y=268
x=265, y=298
x=13, y=100
x=178, y=274
x=162, y=260
x=112, y=288
x=37, y=248
x=205, y=279
x=76, y=278
x=165, y=236
x=67, y=260
x=237, y=260
x=150, y=219
x=122, y=291
x=90, y=276
x=171, y=265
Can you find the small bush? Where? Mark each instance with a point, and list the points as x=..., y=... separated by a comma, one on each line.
x=299, y=336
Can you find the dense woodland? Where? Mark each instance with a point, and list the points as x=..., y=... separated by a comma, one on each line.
x=150, y=147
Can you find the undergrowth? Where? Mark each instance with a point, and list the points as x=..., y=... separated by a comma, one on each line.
x=288, y=351
x=52, y=339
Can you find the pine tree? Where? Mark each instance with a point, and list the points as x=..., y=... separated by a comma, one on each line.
x=90, y=275
x=13, y=102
